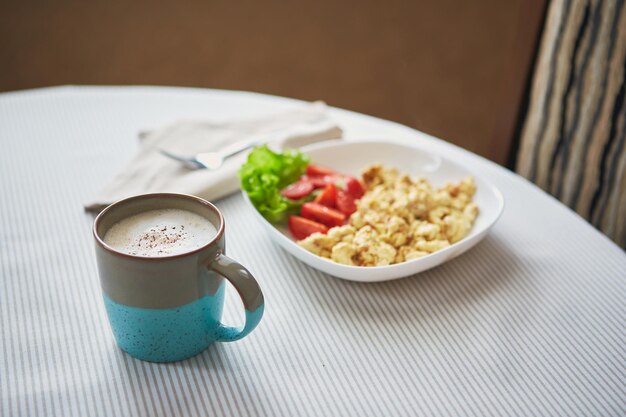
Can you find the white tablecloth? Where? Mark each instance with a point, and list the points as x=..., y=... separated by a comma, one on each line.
x=530, y=322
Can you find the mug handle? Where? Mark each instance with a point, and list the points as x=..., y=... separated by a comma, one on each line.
x=249, y=291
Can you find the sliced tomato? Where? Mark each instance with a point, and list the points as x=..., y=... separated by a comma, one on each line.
x=297, y=190
x=318, y=170
x=327, y=196
x=322, y=214
x=317, y=181
x=301, y=227
x=345, y=202
x=354, y=187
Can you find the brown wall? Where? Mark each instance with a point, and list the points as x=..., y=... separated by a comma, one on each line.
x=454, y=69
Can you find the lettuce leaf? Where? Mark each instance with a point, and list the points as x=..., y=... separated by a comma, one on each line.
x=265, y=174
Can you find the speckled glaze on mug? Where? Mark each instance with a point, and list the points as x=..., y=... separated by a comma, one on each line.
x=165, y=309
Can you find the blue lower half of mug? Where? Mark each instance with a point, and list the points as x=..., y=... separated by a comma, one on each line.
x=167, y=335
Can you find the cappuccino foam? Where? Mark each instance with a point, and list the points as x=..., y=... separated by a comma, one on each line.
x=163, y=232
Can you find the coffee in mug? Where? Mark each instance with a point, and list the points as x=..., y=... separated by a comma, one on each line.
x=162, y=267
x=160, y=233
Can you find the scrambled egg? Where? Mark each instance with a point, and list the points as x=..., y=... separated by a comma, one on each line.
x=398, y=219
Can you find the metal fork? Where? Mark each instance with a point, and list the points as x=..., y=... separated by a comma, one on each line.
x=212, y=160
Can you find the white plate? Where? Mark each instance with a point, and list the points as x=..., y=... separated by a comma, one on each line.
x=351, y=158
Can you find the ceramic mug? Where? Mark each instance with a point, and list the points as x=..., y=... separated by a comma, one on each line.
x=165, y=309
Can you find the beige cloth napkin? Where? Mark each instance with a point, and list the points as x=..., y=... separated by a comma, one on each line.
x=149, y=171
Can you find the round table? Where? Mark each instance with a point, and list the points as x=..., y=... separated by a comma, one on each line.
x=530, y=322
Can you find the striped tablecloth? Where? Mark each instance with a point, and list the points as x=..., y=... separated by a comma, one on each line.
x=530, y=322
